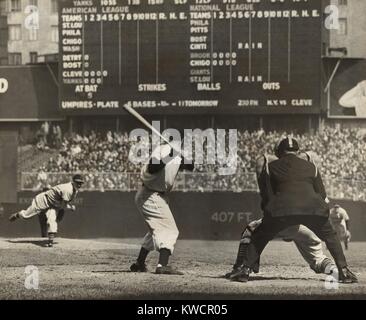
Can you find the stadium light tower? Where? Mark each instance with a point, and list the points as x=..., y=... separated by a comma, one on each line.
x=343, y=51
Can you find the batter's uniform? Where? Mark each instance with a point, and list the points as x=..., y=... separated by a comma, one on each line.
x=339, y=218
x=308, y=244
x=58, y=197
x=153, y=203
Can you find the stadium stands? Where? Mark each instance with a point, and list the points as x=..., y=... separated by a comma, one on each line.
x=105, y=161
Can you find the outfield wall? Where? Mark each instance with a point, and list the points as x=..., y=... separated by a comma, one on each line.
x=214, y=216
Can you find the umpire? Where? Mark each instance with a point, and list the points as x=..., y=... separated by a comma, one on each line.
x=296, y=196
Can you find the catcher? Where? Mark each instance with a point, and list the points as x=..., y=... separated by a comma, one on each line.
x=340, y=221
x=308, y=244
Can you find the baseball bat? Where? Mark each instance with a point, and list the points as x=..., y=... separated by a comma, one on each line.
x=139, y=117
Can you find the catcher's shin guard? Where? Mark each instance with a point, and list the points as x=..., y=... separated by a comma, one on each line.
x=245, y=240
x=243, y=245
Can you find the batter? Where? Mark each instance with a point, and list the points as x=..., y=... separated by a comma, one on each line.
x=152, y=201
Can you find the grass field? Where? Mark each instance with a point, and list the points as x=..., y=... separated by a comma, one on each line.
x=99, y=269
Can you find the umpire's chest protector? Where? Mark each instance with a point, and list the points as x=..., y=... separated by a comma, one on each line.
x=292, y=181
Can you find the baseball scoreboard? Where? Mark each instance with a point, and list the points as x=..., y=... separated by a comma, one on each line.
x=250, y=56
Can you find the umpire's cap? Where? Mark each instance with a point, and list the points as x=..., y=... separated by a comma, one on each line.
x=286, y=144
x=78, y=178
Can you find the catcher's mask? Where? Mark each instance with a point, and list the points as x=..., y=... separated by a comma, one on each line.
x=286, y=144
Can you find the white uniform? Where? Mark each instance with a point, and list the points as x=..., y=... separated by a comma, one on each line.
x=152, y=202
x=56, y=198
x=338, y=218
x=52, y=226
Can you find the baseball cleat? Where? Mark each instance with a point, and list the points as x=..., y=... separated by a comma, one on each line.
x=347, y=276
x=136, y=267
x=14, y=217
x=232, y=272
x=49, y=245
x=241, y=276
x=168, y=270
x=327, y=267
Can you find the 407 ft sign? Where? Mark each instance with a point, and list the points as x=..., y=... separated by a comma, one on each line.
x=230, y=216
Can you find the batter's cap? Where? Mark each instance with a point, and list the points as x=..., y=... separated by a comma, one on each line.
x=78, y=178
x=286, y=144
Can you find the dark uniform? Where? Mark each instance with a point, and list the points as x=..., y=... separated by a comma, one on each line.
x=295, y=189
x=308, y=244
x=296, y=195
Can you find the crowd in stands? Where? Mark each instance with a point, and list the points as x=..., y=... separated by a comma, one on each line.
x=49, y=136
x=341, y=152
